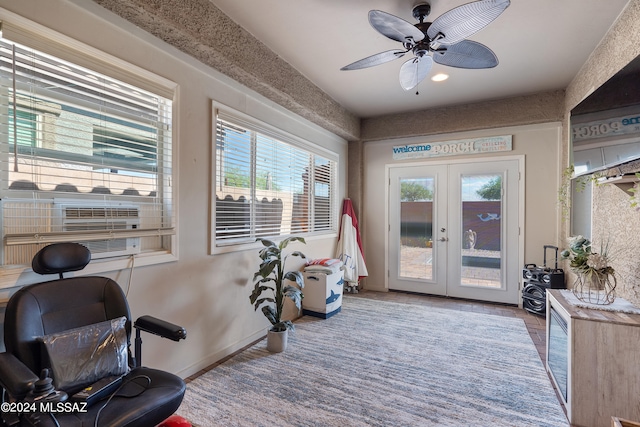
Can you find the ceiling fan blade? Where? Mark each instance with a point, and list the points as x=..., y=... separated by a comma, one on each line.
x=377, y=59
x=393, y=27
x=461, y=22
x=466, y=54
x=414, y=71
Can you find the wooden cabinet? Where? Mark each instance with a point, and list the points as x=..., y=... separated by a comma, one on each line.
x=601, y=363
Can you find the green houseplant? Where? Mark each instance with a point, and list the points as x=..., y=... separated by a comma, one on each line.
x=596, y=280
x=270, y=289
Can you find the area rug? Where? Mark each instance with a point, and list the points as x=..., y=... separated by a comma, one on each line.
x=383, y=364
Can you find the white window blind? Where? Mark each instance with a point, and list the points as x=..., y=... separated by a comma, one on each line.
x=83, y=156
x=269, y=185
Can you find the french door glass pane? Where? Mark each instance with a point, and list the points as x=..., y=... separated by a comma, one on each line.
x=416, y=221
x=481, y=225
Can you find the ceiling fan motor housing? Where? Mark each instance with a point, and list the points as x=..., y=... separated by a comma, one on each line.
x=422, y=10
x=421, y=48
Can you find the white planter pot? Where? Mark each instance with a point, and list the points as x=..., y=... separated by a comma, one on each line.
x=277, y=341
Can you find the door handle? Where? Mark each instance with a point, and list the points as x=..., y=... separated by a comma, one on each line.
x=443, y=239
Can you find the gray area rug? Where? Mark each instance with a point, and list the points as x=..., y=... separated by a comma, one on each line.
x=383, y=364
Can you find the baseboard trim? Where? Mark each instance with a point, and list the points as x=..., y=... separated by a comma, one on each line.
x=220, y=356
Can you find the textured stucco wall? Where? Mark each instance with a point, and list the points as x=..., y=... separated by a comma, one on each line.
x=355, y=175
x=614, y=220
x=616, y=223
x=201, y=30
x=619, y=47
x=523, y=110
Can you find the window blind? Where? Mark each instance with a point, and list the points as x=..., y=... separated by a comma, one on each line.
x=83, y=157
x=267, y=185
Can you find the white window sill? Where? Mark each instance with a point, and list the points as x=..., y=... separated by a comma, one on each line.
x=13, y=278
x=231, y=247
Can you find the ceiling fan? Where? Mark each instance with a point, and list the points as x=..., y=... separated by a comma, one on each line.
x=442, y=41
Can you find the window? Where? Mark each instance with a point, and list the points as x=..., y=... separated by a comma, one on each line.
x=26, y=129
x=269, y=184
x=92, y=162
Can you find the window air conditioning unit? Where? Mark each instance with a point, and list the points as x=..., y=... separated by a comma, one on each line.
x=87, y=217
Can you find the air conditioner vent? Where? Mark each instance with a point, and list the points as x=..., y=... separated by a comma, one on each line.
x=100, y=212
x=86, y=218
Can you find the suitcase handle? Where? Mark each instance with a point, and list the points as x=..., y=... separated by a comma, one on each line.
x=545, y=254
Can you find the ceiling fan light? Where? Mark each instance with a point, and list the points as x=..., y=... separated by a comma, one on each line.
x=440, y=77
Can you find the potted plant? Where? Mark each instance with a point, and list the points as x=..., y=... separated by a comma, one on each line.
x=270, y=290
x=596, y=279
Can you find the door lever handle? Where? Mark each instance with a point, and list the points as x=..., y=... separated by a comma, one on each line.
x=443, y=239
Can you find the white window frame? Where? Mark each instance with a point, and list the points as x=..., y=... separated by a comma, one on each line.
x=283, y=136
x=26, y=32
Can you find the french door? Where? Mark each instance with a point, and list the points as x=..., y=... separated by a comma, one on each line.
x=454, y=229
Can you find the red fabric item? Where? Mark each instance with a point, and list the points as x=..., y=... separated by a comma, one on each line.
x=324, y=261
x=175, y=421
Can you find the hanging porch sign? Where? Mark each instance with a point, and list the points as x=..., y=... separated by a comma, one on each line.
x=489, y=144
